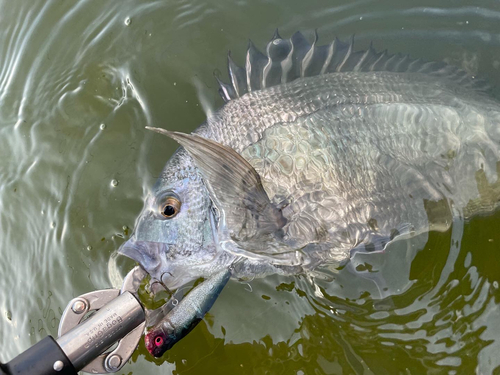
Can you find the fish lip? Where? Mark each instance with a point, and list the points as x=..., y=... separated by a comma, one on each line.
x=151, y=256
x=147, y=254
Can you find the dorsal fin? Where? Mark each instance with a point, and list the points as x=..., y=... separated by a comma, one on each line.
x=288, y=59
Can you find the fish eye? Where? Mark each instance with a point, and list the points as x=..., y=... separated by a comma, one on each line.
x=170, y=208
x=158, y=341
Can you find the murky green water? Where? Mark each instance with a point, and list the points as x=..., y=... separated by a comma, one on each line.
x=78, y=83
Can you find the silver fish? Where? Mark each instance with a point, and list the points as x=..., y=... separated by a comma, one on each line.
x=179, y=321
x=320, y=151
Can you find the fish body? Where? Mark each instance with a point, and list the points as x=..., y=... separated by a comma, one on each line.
x=320, y=151
x=186, y=314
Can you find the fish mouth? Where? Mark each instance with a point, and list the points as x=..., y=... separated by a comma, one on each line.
x=152, y=257
x=147, y=254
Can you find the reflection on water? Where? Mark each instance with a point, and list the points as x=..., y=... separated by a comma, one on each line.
x=78, y=83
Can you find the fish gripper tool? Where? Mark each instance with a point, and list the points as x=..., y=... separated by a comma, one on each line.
x=100, y=330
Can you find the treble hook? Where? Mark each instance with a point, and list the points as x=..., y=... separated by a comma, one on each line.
x=162, y=283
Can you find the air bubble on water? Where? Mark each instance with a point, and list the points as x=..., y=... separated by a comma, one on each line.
x=361, y=18
x=114, y=183
x=175, y=83
x=89, y=248
x=53, y=224
x=495, y=284
x=175, y=302
x=128, y=21
x=124, y=227
x=102, y=126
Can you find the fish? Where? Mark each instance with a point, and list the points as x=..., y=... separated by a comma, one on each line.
x=320, y=152
x=184, y=316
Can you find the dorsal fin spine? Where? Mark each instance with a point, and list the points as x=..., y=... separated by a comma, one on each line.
x=267, y=68
x=358, y=66
x=225, y=90
x=382, y=55
x=237, y=76
x=308, y=56
x=289, y=59
x=307, y=60
x=286, y=64
x=248, y=66
x=331, y=52
x=401, y=64
x=276, y=35
x=265, y=73
x=347, y=55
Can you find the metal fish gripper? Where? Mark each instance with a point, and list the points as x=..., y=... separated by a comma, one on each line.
x=92, y=323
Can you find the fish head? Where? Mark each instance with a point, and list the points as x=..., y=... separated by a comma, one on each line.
x=173, y=238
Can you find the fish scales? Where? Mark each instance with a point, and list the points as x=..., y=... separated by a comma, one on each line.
x=295, y=175
x=242, y=121
x=395, y=133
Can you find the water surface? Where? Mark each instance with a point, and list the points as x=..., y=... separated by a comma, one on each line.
x=79, y=81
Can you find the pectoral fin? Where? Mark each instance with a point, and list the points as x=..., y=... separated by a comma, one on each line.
x=234, y=186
